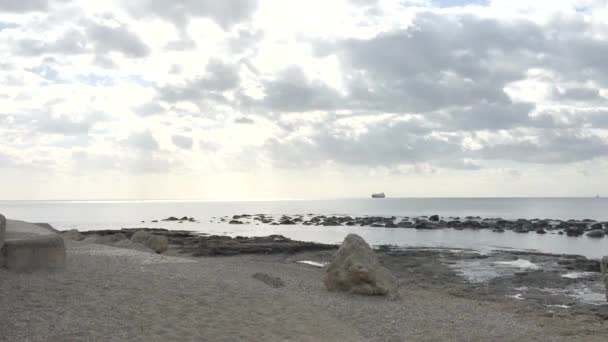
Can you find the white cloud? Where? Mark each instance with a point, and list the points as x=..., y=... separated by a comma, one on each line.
x=286, y=91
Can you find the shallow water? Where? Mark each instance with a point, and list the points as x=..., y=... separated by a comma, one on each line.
x=95, y=215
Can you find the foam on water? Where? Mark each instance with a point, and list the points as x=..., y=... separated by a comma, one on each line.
x=312, y=263
x=519, y=263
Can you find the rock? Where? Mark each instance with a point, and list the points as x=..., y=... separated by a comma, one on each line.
x=498, y=230
x=541, y=231
x=172, y=218
x=596, y=234
x=596, y=226
x=355, y=268
x=157, y=243
x=604, y=270
x=109, y=239
x=269, y=280
x=575, y=231
x=235, y=222
x=434, y=218
x=72, y=234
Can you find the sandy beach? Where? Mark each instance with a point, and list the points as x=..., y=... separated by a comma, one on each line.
x=113, y=294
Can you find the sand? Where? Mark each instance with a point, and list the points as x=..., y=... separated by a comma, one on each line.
x=112, y=294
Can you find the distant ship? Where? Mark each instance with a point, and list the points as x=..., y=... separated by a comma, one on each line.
x=379, y=195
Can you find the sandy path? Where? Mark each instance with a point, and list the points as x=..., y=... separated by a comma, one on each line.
x=116, y=294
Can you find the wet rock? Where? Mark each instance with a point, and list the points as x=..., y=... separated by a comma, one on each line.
x=235, y=222
x=172, y=218
x=575, y=230
x=157, y=243
x=596, y=234
x=225, y=245
x=604, y=270
x=596, y=226
x=405, y=224
x=269, y=280
x=579, y=263
x=434, y=218
x=541, y=231
x=498, y=230
x=356, y=268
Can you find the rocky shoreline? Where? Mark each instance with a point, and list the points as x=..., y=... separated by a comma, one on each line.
x=558, y=284
x=588, y=227
x=182, y=242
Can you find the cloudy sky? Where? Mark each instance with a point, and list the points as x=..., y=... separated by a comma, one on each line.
x=245, y=99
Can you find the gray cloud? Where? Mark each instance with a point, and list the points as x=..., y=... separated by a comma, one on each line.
x=22, y=6
x=142, y=141
x=244, y=120
x=224, y=13
x=579, y=94
x=66, y=125
x=292, y=91
x=384, y=144
x=72, y=42
x=182, y=141
x=149, y=109
x=219, y=77
x=120, y=39
x=92, y=38
x=550, y=147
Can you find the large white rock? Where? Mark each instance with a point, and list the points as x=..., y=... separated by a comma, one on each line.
x=604, y=268
x=157, y=243
x=356, y=268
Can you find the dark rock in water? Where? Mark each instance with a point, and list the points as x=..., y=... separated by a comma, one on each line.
x=521, y=230
x=471, y=224
x=421, y=225
x=405, y=224
x=390, y=224
x=269, y=280
x=596, y=234
x=356, y=268
x=434, y=218
x=560, y=233
x=541, y=231
x=454, y=224
x=235, y=222
x=154, y=221
x=498, y=230
x=596, y=226
x=172, y=218
x=575, y=231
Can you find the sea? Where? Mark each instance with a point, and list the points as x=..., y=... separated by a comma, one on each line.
x=112, y=214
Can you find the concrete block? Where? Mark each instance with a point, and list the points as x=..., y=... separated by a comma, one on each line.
x=45, y=252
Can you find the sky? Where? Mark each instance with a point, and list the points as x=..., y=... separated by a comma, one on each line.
x=275, y=99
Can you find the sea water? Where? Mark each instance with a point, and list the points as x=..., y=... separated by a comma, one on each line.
x=93, y=215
